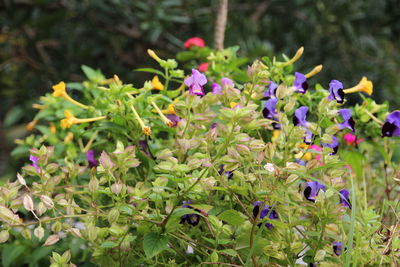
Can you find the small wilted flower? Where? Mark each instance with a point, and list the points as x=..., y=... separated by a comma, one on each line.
x=195, y=82
x=348, y=121
x=334, y=145
x=265, y=210
x=344, y=198
x=192, y=219
x=391, y=127
x=91, y=159
x=194, y=41
x=336, y=91
x=337, y=248
x=35, y=161
x=271, y=92
x=174, y=119
x=312, y=189
x=300, y=83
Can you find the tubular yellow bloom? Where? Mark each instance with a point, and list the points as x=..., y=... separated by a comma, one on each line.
x=364, y=85
x=298, y=54
x=232, y=104
x=70, y=119
x=69, y=137
x=60, y=91
x=157, y=85
x=146, y=130
x=167, y=121
x=170, y=110
x=30, y=126
x=153, y=55
x=314, y=71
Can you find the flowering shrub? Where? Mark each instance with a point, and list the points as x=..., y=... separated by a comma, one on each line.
x=258, y=168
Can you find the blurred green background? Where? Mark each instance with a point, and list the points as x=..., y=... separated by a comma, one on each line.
x=45, y=41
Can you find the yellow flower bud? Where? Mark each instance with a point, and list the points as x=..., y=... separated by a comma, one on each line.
x=153, y=55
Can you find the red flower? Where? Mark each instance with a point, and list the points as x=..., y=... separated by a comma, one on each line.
x=203, y=67
x=194, y=41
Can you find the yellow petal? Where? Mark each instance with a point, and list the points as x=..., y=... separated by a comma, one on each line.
x=59, y=89
x=157, y=85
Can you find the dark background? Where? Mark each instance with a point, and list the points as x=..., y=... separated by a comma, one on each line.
x=43, y=42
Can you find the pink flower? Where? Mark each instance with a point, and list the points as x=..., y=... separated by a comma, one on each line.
x=351, y=139
x=203, y=67
x=194, y=41
x=316, y=148
x=195, y=82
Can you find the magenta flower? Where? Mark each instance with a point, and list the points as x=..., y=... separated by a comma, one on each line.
x=195, y=82
x=227, y=82
x=392, y=124
x=312, y=189
x=348, y=121
x=91, y=159
x=35, y=161
x=300, y=83
x=345, y=198
x=216, y=89
x=336, y=91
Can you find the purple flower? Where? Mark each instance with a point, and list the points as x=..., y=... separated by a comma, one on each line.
x=216, y=88
x=336, y=91
x=174, y=118
x=144, y=147
x=348, y=121
x=192, y=219
x=271, y=92
x=195, y=82
x=300, y=83
x=337, y=248
x=228, y=174
x=392, y=125
x=344, y=198
x=227, y=82
x=269, y=110
x=273, y=215
x=312, y=189
x=35, y=161
x=334, y=145
x=91, y=159
x=300, y=116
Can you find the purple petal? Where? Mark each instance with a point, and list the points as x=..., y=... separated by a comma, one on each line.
x=227, y=82
x=216, y=88
x=300, y=83
x=312, y=189
x=336, y=91
x=35, y=161
x=300, y=116
x=91, y=159
x=344, y=198
x=334, y=145
x=348, y=120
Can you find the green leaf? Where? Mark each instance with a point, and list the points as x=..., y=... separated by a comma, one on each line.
x=232, y=217
x=13, y=116
x=126, y=209
x=10, y=254
x=151, y=70
x=154, y=243
x=108, y=244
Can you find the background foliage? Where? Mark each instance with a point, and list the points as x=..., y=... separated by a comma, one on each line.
x=45, y=41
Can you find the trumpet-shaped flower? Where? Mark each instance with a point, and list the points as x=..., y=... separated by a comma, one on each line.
x=348, y=121
x=337, y=248
x=265, y=211
x=312, y=189
x=194, y=41
x=300, y=116
x=157, y=85
x=364, y=85
x=300, y=83
x=391, y=127
x=195, y=82
x=69, y=120
x=336, y=91
x=91, y=159
x=334, y=145
x=269, y=111
x=59, y=90
x=351, y=139
x=271, y=92
x=344, y=198
x=35, y=161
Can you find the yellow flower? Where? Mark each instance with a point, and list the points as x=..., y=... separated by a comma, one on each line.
x=30, y=126
x=275, y=134
x=59, y=90
x=69, y=137
x=170, y=110
x=233, y=104
x=157, y=85
x=364, y=85
x=52, y=128
x=69, y=120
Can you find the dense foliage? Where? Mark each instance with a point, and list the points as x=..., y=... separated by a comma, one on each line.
x=257, y=166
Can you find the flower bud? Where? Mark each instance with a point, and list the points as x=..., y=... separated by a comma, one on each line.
x=28, y=203
x=26, y=233
x=243, y=149
x=21, y=179
x=93, y=184
x=113, y=216
x=75, y=232
x=116, y=188
x=51, y=240
x=39, y=232
x=257, y=145
x=4, y=235
x=56, y=227
x=48, y=202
